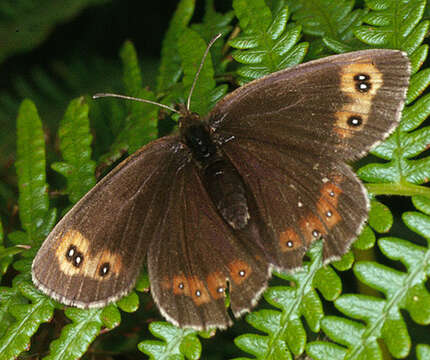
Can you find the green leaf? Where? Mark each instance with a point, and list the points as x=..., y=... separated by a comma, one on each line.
x=177, y=344
x=285, y=333
x=140, y=125
x=28, y=318
x=191, y=47
x=30, y=167
x=9, y=297
x=423, y=352
x=367, y=239
x=380, y=217
x=75, y=145
x=215, y=23
x=386, y=31
x=129, y=303
x=7, y=253
x=267, y=43
x=75, y=338
x=332, y=21
x=111, y=316
x=170, y=67
x=382, y=319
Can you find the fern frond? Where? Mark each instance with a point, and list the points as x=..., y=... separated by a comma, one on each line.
x=267, y=43
x=285, y=332
x=27, y=319
x=177, y=343
x=331, y=22
x=75, y=146
x=403, y=290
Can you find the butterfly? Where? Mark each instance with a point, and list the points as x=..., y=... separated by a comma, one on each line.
x=215, y=208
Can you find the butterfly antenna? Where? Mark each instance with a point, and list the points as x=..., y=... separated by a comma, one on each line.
x=119, y=96
x=200, y=68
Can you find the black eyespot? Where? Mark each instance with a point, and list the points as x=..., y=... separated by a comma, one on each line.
x=290, y=244
x=104, y=269
x=315, y=233
x=70, y=253
x=363, y=86
x=242, y=273
x=362, y=77
x=78, y=259
x=198, y=293
x=362, y=82
x=181, y=286
x=355, y=121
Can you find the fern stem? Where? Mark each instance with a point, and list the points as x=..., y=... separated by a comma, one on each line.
x=398, y=189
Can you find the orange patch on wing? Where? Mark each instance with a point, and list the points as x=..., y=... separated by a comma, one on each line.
x=198, y=290
x=289, y=240
x=90, y=263
x=216, y=280
x=331, y=193
x=348, y=83
x=327, y=203
x=239, y=271
x=360, y=101
x=312, y=228
x=180, y=285
x=328, y=212
x=191, y=286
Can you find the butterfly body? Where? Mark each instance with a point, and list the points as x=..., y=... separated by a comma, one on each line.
x=221, y=180
x=234, y=195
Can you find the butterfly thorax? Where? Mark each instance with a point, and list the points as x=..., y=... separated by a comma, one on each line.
x=220, y=178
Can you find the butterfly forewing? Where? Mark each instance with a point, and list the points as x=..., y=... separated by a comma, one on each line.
x=95, y=253
x=337, y=107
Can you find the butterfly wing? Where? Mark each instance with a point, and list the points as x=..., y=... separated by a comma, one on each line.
x=94, y=254
x=196, y=256
x=288, y=135
x=300, y=200
x=337, y=107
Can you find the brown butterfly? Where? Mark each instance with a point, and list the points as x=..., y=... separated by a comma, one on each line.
x=247, y=189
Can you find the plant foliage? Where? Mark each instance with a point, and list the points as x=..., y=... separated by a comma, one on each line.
x=314, y=311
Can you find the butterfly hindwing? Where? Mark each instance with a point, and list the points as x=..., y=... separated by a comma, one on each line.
x=308, y=199
x=195, y=257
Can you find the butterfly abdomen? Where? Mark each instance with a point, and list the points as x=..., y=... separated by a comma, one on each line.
x=222, y=181
x=227, y=191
